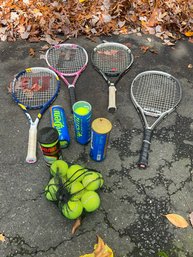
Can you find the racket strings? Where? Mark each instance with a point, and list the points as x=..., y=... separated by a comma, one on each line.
x=156, y=93
x=34, y=90
x=111, y=59
x=67, y=59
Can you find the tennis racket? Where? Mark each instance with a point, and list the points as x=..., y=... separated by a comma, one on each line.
x=68, y=61
x=154, y=94
x=34, y=88
x=112, y=60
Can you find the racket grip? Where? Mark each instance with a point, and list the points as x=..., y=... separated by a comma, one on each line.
x=143, y=159
x=112, y=99
x=72, y=96
x=32, y=144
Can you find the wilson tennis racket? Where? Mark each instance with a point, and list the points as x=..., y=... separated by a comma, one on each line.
x=112, y=61
x=68, y=61
x=154, y=94
x=34, y=88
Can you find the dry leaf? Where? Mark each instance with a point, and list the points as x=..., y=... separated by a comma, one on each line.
x=76, y=225
x=190, y=66
x=191, y=218
x=177, y=220
x=144, y=48
x=189, y=33
x=100, y=250
x=2, y=238
x=31, y=52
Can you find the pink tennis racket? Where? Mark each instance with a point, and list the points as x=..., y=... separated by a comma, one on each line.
x=68, y=61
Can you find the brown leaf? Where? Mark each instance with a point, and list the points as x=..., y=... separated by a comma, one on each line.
x=177, y=220
x=190, y=66
x=31, y=52
x=144, y=48
x=191, y=218
x=2, y=238
x=76, y=225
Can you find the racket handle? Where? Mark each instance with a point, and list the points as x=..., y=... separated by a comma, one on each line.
x=143, y=159
x=32, y=144
x=112, y=99
x=72, y=95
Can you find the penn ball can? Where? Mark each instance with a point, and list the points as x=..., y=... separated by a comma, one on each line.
x=59, y=122
x=82, y=121
x=48, y=139
x=100, y=132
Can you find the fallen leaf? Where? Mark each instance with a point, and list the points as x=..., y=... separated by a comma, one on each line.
x=76, y=225
x=191, y=218
x=189, y=33
x=177, y=220
x=144, y=48
x=2, y=238
x=100, y=250
x=190, y=66
x=31, y=52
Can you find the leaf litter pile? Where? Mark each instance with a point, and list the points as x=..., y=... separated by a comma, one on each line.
x=47, y=20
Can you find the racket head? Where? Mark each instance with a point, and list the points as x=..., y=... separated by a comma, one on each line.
x=67, y=59
x=35, y=87
x=111, y=58
x=155, y=92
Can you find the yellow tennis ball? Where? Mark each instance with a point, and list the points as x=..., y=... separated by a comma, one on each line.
x=51, y=190
x=91, y=181
x=72, y=209
x=59, y=167
x=77, y=190
x=75, y=172
x=101, y=179
x=82, y=111
x=90, y=201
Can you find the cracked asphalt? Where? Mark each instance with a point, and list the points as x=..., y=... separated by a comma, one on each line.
x=133, y=202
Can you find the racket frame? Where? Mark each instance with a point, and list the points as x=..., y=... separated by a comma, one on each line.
x=112, y=85
x=148, y=129
x=32, y=139
x=62, y=75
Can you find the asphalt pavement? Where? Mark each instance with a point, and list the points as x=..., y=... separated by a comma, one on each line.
x=133, y=201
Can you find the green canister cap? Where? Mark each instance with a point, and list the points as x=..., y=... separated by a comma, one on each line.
x=47, y=135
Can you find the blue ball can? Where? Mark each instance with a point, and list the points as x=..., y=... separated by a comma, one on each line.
x=100, y=133
x=59, y=122
x=82, y=112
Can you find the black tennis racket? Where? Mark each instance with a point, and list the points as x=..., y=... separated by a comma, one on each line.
x=112, y=60
x=35, y=88
x=154, y=94
x=68, y=61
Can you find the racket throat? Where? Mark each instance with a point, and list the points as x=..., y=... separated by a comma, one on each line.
x=144, y=154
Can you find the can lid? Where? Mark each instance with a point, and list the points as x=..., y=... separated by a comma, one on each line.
x=47, y=135
x=101, y=126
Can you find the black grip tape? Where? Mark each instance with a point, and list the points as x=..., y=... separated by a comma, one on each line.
x=72, y=96
x=143, y=159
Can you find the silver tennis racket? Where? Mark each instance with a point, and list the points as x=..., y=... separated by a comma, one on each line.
x=112, y=60
x=154, y=94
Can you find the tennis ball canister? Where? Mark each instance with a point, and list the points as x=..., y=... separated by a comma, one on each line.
x=100, y=133
x=59, y=121
x=82, y=121
x=48, y=139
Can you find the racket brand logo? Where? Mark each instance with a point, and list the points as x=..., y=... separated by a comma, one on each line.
x=35, y=84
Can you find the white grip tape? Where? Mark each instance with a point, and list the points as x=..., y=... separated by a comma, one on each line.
x=112, y=97
x=32, y=144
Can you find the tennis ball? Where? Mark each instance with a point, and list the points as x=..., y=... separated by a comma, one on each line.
x=72, y=209
x=90, y=201
x=101, y=179
x=75, y=172
x=91, y=181
x=77, y=190
x=51, y=190
x=59, y=167
x=82, y=111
